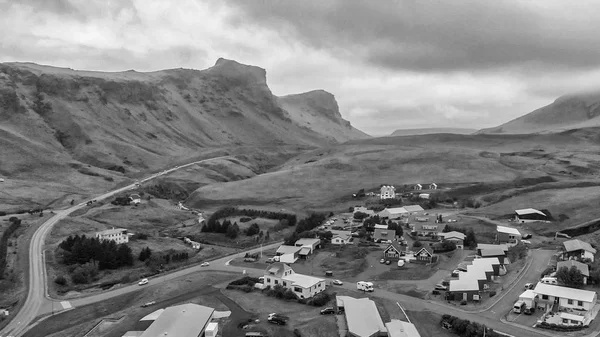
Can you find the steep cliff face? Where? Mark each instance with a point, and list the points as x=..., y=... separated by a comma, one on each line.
x=566, y=112
x=54, y=121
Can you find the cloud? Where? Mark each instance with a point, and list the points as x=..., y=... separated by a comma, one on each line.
x=390, y=63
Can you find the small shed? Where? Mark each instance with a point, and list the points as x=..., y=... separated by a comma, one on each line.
x=211, y=329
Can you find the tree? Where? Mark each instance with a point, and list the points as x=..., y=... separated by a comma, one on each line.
x=60, y=280
x=360, y=215
x=252, y=230
x=448, y=245
x=331, y=214
x=145, y=254
x=325, y=236
x=470, y=239
x=232, y=231
x=417, y=244
x=267, y=237
x=72, y=202
x=570, y=277
x=291, y=239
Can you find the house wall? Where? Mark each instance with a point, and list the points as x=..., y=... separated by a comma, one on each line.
x=460, y=295
x=308, y=292
x=338, y=241
x=391, y=254
x=564, y=302
x=529, y=302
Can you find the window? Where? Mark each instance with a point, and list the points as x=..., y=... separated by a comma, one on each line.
x=580, y=303
x=276, y=282
x=298, y=289
x=573, y=321
x=544, y=297
x=570, y=301
x=565, y=321
x=284, y=283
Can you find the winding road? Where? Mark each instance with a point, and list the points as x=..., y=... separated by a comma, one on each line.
x=38, y=302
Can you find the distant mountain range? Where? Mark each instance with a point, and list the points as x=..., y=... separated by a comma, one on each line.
x=565, y=113
x=428, y=131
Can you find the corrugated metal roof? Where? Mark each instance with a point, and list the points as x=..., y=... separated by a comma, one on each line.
x=508, y=230
x=303, y=281
x=397, y=328
x=564, y=292
x=525, y=211
x=573, y=245
x=363, y=317
x=181, y=320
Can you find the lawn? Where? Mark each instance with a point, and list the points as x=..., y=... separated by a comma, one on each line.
x=344, y=261
x=428, y=324
x=183, y=290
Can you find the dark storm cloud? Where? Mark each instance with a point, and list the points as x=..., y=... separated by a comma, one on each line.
x=428, y=35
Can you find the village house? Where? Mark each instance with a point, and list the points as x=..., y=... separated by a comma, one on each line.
x=412, y=209
x=530, y=298
x=308, y=246
x=424, y=196
x=582, y=267
x=393, y=213
x=565, y=299
x=507, y=235
x=393, y=251
x=579, y=250
x=398, y=328
x=418, y=187
x=494, y=251
x=193, y=244
x=387, y=192
x=288, y=254
x=457, y=238
x=381, y=232
x=493, y=263
x=118, y=235
x=302, y=285
x=463, y=289
x=363, y=209
x=341, y=239
x=433, y=186
x=362, y=317
x=431, y=231
x=425, y=254
x=530, y=215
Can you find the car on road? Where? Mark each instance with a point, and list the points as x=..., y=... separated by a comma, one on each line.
x=388, y=262
x=526, y=242
x=382, y=261
x=205, y=264
x=328, y=311
x=148, y=304
x=337, y=282
x=529, y=286
x=440, y=286
x=143, y=282
x=527, y=236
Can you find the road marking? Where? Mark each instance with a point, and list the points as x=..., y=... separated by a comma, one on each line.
x=66, y=305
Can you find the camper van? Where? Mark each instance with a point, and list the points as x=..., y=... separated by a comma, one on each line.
x=549, y=280
x=519, y=307
x=364, y=286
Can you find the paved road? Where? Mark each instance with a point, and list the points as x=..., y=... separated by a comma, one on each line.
x=37, y=298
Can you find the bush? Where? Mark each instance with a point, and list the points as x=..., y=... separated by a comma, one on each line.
x=302, y=301
x=297, y=333
x=245, y=219
x=463, y=327
x=246, y=280
x=290, y=295
x=562, y=328
x=247, y=288
x=492, y=293
x=60, y=280
x=320, y=299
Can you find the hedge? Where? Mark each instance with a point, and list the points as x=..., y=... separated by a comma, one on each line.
x=563, y=328
x=14, y=224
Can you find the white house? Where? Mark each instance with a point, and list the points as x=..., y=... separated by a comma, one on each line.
x=418, y=187
x=398, y=328
x=530, y=298
x=387, y=192
x=393, y=213
x=118, y=235
x=362, y=317
x=194, y=244
x=577, y=249
x=507, y=235
x=288, y=254
x=135, y=199
x=465, y=289
x=302, y=285
x=433, y=186
x=457, y=237
x=341, y=239
x=570, y=298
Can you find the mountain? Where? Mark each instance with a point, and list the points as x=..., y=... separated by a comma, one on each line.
x=66, y=127
x=567, y=112
x=428, y=131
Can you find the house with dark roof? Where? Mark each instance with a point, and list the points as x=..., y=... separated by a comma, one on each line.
x=393, y=251
x=425, y=254
x=382, y=233
x=457, y=238
x=579, y=250
x=430, y=230
x=582, y=267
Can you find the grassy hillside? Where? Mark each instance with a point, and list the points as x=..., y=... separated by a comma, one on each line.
x=329, y=175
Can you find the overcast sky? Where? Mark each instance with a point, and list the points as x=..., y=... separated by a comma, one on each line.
x=391, y=64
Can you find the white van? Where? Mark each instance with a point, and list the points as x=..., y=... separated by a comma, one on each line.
x=519, y=307
x=364, y=286
x=549, y=280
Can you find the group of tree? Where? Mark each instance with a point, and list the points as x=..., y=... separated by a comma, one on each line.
x=517, y=252
x=571, y=277
x=360, y=215
x=311, y=222
x=12, y=227
x=466, y=328
x=233, y=211
x=231, y=230
x=145, y=254
x=106, y=253
x=171, y=192
x=444, y=246
x=121, y=201
x=470, y=238
x=252, y=230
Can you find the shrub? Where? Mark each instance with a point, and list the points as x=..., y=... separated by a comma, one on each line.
x=297, y=333
x=492, y=293
x=60, y=280
x=320, y=299
x=290, y=295
x=245, y=219
x=247, y=288
x=302, y=301
x=246, y=280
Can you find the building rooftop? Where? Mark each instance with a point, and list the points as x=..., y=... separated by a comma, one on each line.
x=492, y=252
x=381, y=227
x=363, y=317
x=583, y=268
x=304, y=251
x=112, y=231
x=488, y=246
x=573, y=245
x=398, y=328
x=153, y=316
x=489, y=260
x=474, y=272
x=508, y=230
x=428, y=227
x=288, y=249
x=453, y=234
x=303, y=281
x=564, y=292
x=464, y=284
x=278, y=268
x=525, y=211
x=529, y=294
x=307, y=242
x=413, y=208
x=577, y=318
x=395, y=210
x=181, y=320
x=484, y=265
x=345, y=237
x=396, y=244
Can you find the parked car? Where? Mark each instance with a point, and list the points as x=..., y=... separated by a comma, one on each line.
x=328, y=311
x=529, y=286
x=455, y=273
x=143, y=281
x=529, y=311
x=277, y=320
x=337, y=282
x=270, y=260
x=440, y=286
x=205, y=264
x=382, y=261
x=527, y=236
x=388, y=262
x=148, y=304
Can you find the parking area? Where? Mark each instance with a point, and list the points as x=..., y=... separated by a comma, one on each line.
x=526, y=320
